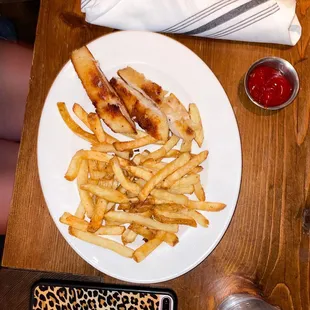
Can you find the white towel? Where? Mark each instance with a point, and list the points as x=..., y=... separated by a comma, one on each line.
x=269, y=21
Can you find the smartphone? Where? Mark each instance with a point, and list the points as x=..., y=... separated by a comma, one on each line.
x=54, y=295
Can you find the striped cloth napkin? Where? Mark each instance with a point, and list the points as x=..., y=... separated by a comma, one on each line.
x=269, y=21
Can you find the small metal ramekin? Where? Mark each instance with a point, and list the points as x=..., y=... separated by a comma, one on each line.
x=287, y=70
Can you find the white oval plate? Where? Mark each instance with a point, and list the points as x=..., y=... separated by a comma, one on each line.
x=180, y=71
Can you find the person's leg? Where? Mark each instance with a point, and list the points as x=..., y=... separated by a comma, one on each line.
x=15, y=65
x=8, y=158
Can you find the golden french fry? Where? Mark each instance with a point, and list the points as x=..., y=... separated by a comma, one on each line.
x=198, y=217
x=153, y=166
x=123, y=206
x=199, y=192
x=187, y=180
x=148, y=213
x=92, y=166
x=140, y=134
x=160, y=153
x=143, y=231
x=81, y=114
x=173, y=218
x=195, y=117
x=171, y=207
x=140, y=207
x=74, y=165
x=186, y=146
x=96, y=127
x=80, y=211
x=128, y=236
x=147, y=248
x=98, y=214
x=82, y=178
x=189, y=189
x=123, y=217
x=87, y=202
x=73, y=126
x=185, y=169
x=205, y=205
x=102, y=166
x=96, y=176
x=162, y=174
x=82, y=225
x=196, y=170
x=102, y=242
x=110, y=230
x=173, y=154
x=110, y=183
x=120, y=177
x=108, y=194
x=139, y=172
x=164, y=195
x=103, y=157
x=171, y=239
x=133, y=144
x=109, y=148
x=112, y=224
x=137, y=159
x=92, y=181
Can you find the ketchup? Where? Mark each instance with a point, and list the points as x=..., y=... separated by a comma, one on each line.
x=268, y=86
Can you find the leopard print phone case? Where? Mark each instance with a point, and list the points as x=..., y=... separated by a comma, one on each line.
x=53, y=296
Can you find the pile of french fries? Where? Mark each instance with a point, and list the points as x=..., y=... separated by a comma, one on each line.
x=126, y=192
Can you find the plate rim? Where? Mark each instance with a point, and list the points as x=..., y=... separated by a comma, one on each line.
x=238, y=177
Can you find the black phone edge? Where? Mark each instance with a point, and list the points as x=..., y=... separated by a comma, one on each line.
x=95, y=285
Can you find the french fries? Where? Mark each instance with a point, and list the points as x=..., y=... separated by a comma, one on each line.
x=173, y=218
x=129, y=236
x=186, y=146
x=123, y=217
x=86, y=200
x=206, y=206
x=162, y=174
x=98, y=214
x=109, y=148
x=109, y=194
x=73, y=125
x=130, y=193
x=133, y=144
x=146, y=233
x=102, y=242
x=147, y=248
x=163, y=150
x=195, y=117
x=199, y=191
x=82, y=225
x=119, y=175
x=187, y=168
x=81, y=114
x=96, y=127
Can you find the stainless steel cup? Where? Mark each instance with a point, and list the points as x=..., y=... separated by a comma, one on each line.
x=287, y=70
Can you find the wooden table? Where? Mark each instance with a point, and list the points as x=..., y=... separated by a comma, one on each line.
x=264, y=241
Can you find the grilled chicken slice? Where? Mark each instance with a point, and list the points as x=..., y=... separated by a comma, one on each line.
x=108, y=105
x=142, y=110
x=178, y=118
x=138, y=81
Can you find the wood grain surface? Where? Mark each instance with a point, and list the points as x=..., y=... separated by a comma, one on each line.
x=264, y=242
